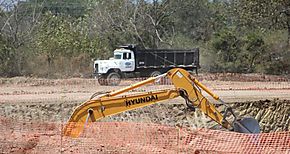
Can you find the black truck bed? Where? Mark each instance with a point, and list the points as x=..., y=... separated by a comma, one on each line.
x=160, y=58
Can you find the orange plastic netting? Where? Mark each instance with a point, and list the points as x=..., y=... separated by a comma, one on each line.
x=123, y=137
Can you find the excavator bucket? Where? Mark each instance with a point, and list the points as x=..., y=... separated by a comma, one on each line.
x=247, y=125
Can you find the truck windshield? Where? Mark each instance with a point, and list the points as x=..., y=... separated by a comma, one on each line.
x=117, y=56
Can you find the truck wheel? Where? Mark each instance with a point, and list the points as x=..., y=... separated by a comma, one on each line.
x=191, y=72
x=102, y=81
x=114, y=79
x=158, y=81
x=155, y=73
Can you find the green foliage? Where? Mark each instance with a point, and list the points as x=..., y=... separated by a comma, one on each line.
x=73, y=8
x=234, y=53
x=60, y=38
x=276, y=61
x=262, y=15
x=7, y=58
x=226, y=47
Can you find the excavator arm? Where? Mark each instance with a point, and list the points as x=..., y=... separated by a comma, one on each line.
x=186, y=86
x=190, y=89
x=96, y=109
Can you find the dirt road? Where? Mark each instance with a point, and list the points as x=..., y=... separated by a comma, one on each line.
x=81, y=90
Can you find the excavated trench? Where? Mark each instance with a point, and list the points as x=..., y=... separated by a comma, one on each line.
x=273, y=115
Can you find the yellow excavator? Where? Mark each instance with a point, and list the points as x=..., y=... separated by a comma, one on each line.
x=185, y=86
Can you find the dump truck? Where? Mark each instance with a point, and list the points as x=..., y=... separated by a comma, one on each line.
x=131, y=61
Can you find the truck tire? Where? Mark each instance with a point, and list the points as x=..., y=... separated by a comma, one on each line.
x=102, y=81
x=158, y=81
x=155, y=73
x=113, y=79
x=191, y=72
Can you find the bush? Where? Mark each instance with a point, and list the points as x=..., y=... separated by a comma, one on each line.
x=231, y=52
x=8, y=65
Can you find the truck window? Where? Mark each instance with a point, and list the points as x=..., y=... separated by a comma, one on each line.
x=117, y=56
x=125, y=55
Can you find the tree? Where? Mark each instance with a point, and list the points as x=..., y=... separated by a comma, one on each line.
x=17, y=26
x=233, y=53
x=270, y=14
x=141, y=22
x=7, y=58
x=60, y=36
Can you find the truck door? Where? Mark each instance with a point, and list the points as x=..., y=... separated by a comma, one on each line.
x=128, y=62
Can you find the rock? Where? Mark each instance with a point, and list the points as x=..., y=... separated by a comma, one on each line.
x=180, y=113
x=279, y=129
x=242, y=113
x=259, y=115
x=267, y=115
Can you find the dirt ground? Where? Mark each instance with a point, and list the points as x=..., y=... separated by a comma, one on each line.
x=19, y=90
x=32, y=111
x=53, y=100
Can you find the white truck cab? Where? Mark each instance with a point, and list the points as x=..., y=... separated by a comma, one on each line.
x=126, y=59
x=123, y=61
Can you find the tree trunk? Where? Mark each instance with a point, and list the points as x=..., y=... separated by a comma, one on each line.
x=288, y=26
x=49, y=65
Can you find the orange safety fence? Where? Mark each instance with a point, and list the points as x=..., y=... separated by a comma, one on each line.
x=124, y=137
x=235, y=85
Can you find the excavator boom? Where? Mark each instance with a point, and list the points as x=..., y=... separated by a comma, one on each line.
x=96, y=109
x=113, y=102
